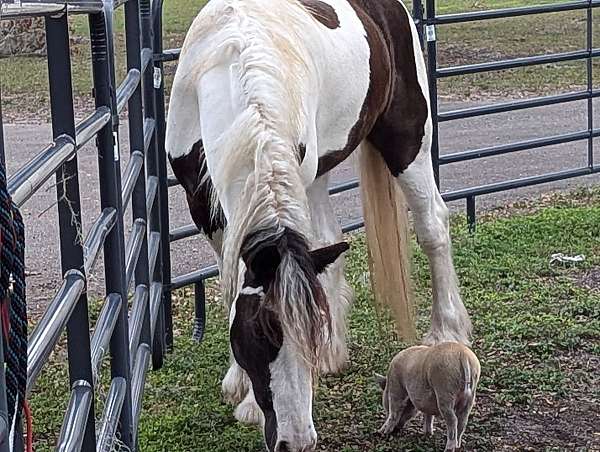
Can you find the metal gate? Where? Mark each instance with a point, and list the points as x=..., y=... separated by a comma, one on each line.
x=131, y=321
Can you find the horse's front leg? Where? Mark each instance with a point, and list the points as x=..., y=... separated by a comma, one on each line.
x=327, y=230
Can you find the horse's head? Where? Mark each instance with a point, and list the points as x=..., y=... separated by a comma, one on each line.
x=280, y=324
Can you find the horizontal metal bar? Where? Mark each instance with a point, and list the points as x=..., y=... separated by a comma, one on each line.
x=518, y=183
x=168, y=55
x=96, y=237
x=353, y=226
x=194, y=277
x=31, y=8
x=510, y=12
x=513, y=147
x=127, y=88
x=153, y=246
x=148, y=132
x=146, y=56
x=75, y=420
x=90, y=126
x=151, y=190
x=136, y=318
x=138, y=381
x=504, y=107
x=110, y=417
x=53, y=321
x=212, y=271
x=132, y=172
x=155, y=301
x=30, y=178
x=344, y=186
x=183, y=232
x=105, y=326
x=133, y=247
x=512, y=63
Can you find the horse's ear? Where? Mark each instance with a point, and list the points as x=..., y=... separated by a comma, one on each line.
x=327, y=255
x=380, y=380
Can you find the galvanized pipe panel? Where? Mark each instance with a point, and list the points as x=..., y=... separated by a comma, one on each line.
x=20, y=9
x=151, y=191
x=155, y=300
x=105, y=326
x=96, y=237
x=46, y=333
x=112, y=411
x=30, y=178
x=127, y=88
x=90, y=126
x=132, y=172
x=138, y=376
x=134, y=245
x=72, y=432
x=136, y=318
x=148, y=132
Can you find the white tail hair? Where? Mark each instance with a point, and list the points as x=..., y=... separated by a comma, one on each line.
x=386, y=226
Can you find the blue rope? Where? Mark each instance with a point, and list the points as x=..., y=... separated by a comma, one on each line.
x=12, y=269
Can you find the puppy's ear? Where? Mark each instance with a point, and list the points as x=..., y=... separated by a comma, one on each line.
x=380, y=380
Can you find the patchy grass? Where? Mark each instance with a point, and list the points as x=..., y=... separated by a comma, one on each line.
x=537, y=335
x=24, y=79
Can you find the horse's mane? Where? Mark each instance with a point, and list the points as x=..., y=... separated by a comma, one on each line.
x=272, y=70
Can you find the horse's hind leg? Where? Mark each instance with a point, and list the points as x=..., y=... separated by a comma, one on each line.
x=449, y=318
x=327, y=231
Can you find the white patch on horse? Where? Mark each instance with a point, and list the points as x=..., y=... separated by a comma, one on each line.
x=248, y=290
x=291, y=386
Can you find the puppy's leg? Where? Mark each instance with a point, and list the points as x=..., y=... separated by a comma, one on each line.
x=397, y=401
x=463, y=417
x=446, y=408
x=428, y=424
x=407, y=414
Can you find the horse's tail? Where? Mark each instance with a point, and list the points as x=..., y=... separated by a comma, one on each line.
x=386, y=225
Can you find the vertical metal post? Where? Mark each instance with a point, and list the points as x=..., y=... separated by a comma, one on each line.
x=69, y=209
x=590, y=83
x=200, y=311
x=136, y=143
x=418, y=18
x=152, y=166
x=163, y=189
x=2, y=155
x=471, y=213
x=430, y=34
x=4, y=422
x=110, y=197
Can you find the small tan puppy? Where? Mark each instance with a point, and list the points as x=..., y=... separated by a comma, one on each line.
x=439, y=380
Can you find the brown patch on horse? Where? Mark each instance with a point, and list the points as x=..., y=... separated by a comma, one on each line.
x=394, y=112
x=190, y=170
x=322, y=12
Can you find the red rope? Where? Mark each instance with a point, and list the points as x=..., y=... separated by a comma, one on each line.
x=29, y=420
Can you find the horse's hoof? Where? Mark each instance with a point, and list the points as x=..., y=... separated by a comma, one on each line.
x=249, y=413
x=234, y=387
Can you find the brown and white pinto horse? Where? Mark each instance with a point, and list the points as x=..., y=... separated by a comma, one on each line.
x=268, y=97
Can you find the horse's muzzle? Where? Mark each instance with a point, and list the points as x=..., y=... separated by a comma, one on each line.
x=300, y=446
